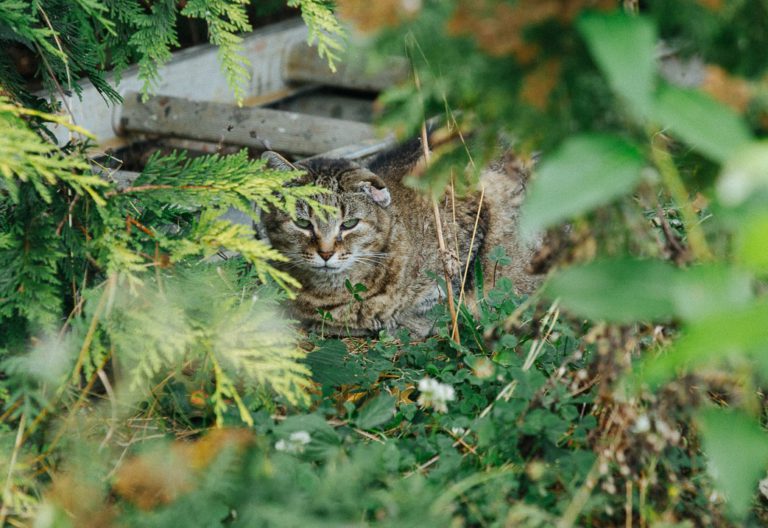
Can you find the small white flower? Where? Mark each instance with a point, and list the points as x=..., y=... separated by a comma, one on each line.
x=484, y=368
x=295, y=443
x=435, y=394
x=642, y=424
x=301, y=437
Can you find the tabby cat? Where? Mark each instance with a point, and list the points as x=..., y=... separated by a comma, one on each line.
x=384, y=237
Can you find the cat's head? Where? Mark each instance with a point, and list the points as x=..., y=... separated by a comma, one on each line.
x=353, y=238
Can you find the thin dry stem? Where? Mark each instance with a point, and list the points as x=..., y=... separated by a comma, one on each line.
x=113, y=405
x=676, y=188
x=446, y=272
x=441, y=246
x=581, y=497
x=538, y=344
x=92, y=329
x=64, y=97
x=439, y=227
x=7, y=488
x=60, y=433
x=466, y=265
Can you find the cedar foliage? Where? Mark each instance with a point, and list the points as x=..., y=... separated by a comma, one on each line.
x=565, y=412
x=101, y=275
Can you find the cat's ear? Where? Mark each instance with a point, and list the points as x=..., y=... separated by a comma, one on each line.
x=377, y=191
x=395, y=163
x=276, y=162
x=368, y=183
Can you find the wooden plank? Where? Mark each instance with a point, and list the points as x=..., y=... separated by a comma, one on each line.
x=193, y=72
x=302, y=64
x=360, y=150
x=327, y=104
x=251, y=127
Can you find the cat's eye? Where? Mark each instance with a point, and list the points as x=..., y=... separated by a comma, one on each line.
x=302, y=223
x=349, y=224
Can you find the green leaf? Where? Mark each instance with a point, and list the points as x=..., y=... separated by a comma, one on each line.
x=586, y=171
x=330, y=367
x=740, y=332
x=625, y=290
x=737, y=451
x=745, y=172
x=752, y=243
x=623, y=47
x=324, y=441
x=710, y=127
x=376, y=412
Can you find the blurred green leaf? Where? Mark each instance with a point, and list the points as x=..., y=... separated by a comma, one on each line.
x=330, y=367
x=737, y=448
x=745, y=171
x=623, y=46
x=706, y=290
x=707, y=125
x=737, y=332
x=586, y=171
x=625, y=290
x=324, y=441
x=376, y=412
x=621, y=290
x=752, y=246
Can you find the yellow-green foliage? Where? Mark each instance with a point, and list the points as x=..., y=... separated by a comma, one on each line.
x=101, y=268
x=27, y=157
x=324, y=29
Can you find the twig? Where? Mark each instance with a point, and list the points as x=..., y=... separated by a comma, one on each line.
x=60, y=433
x=368, y=435
x=64, y=96
x=422, y=467
x=538, y=344
x=141, y=188
x=455, y=331
x=67, y=216
x=129, y=221
x=668, y=234
x=10, y=410
x=676, y=188
x=11, y=464
x=439, y=229
x=92, y=329
x=112, y=403
x=581, y=497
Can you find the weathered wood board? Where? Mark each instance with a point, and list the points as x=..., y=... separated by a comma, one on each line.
x=302, y=64
x=260, y=128
x=195, y=73
x=326, y=103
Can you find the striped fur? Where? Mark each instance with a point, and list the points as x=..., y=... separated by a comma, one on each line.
x=392, y=249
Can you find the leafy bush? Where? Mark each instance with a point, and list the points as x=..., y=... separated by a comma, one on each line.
x=628, y=391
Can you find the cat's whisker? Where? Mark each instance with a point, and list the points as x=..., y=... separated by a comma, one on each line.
x=363, y=260
x=379, y=258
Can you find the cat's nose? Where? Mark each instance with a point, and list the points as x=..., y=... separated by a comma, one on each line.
x=325, y=255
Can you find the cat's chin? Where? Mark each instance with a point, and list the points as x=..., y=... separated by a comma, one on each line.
x=326, y=270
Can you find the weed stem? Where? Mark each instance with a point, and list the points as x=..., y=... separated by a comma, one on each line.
x=670, y=177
